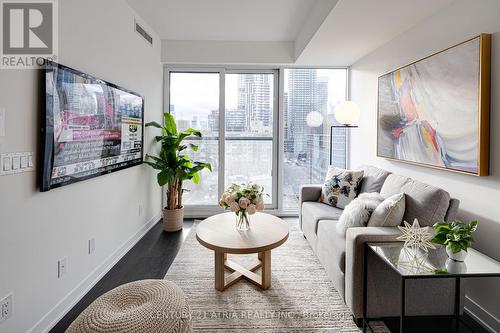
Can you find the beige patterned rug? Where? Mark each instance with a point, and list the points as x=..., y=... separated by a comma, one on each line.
x=301, y=298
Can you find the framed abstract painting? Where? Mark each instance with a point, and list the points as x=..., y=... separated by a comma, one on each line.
x=435, y=111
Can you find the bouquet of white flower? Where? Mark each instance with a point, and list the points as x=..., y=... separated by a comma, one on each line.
x=243, y=200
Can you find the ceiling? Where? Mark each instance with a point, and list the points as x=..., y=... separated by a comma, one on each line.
x=319, y=32
x=354, y=28
x=225, y=20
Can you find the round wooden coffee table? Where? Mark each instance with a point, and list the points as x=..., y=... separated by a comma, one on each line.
x=219, y=234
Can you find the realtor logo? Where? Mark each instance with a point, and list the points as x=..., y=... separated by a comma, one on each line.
x=29, y=33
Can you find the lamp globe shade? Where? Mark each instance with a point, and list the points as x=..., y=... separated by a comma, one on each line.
x=347, y=113
x=314, y=119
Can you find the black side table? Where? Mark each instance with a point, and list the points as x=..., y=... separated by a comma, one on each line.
x=411, y=263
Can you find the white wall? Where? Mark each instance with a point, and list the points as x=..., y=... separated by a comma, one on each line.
x=479, y=196
x=226, y=52
x=36, y=229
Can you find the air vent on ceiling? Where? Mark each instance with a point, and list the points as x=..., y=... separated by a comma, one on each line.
x=140, y=30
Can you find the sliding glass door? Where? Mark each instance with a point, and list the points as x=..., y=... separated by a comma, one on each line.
x=248, y=125
x=249, y=130
x=194, y=102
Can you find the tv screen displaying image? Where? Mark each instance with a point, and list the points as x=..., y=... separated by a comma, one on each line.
x=91, y=127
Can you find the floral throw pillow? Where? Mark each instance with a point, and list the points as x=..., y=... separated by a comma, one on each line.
x=340, y=187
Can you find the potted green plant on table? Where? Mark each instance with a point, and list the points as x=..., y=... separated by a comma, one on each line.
x=456, y=236
x=175, y=167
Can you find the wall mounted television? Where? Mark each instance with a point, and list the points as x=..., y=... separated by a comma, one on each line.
x=90, y=127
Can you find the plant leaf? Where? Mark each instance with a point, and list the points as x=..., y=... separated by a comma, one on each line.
x=153, y=124
x=196, y=178
x=170, y=125
x=163, y=177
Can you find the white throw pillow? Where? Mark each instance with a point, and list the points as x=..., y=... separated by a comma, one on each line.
x=389, y=213
x=357, y=213
x=340, y=187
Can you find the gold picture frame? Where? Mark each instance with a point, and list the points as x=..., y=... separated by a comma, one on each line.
x=398, y=107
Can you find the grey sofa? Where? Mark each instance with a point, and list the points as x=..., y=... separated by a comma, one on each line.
x=343, y=257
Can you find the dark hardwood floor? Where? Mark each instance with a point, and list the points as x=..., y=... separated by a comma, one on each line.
x=151, y=257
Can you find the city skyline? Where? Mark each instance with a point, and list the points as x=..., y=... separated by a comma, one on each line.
x=249, y=116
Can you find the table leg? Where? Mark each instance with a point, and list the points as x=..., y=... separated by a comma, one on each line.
x=457, y=303
x=365, y=287
x=219, y=270
x=265, y=257
x=402, y=318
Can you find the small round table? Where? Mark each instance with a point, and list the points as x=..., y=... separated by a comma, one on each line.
x=219, y=234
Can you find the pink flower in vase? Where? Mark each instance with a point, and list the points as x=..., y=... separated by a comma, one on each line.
x=229, y=200
x=234, y=207
x=251, y=209
x=244, y=202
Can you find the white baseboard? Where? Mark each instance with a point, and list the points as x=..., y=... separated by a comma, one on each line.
x=482, y=316
x=47, y=322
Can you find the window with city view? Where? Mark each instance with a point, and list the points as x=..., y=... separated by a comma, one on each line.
x=244, y=138
x=249, y=130
x=194, y=102
x=309, y=99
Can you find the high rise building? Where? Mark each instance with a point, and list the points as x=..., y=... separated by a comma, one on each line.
x=301, y=88
x=213, y=121
x=236, y=121
x=321, y=133
x=254, y=96
x=288, y=140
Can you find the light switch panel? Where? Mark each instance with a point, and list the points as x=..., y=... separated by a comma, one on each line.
x=24, y=161
x=2, y=122
x=16, y=162
x=12, y=163
x=6, y=163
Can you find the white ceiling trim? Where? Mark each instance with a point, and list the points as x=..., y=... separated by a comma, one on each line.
x=226, y=52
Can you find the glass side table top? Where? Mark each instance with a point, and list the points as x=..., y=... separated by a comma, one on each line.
x=411, y=262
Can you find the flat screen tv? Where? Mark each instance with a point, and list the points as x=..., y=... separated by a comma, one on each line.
x=90, y=127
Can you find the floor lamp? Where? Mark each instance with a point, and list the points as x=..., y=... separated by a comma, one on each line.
x=347, y=115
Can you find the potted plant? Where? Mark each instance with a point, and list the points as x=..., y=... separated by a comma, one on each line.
x=243, y=200
x=175, y=166
x=456, y=236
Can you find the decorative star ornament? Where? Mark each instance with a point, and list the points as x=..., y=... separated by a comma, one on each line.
x=416, y=237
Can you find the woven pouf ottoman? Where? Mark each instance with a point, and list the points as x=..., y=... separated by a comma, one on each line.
x=147, y=306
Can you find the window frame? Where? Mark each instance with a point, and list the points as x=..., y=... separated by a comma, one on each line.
x=206, y=210
x=276, y=208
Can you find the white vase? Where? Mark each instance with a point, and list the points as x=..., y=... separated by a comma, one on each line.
x=455, y=267
x=459, y=256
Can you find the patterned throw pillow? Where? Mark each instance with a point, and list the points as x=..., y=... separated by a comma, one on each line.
x=340, y=187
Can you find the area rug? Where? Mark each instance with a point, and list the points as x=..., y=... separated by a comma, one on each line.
x=301, y=297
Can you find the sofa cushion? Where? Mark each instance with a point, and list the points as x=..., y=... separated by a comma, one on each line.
x=393, y=185
x=373, y=178
x=389, y=213
x=357, y=213
x=331, y=244
x=312, y=212
x=341, y=186
x=427, y=203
